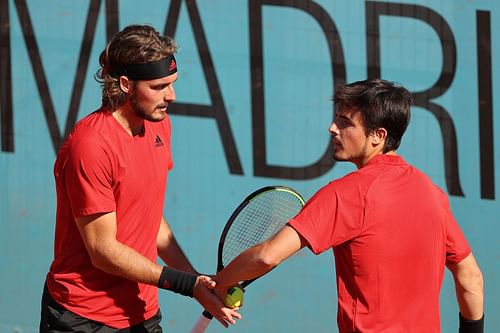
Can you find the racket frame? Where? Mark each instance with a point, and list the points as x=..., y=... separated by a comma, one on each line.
x=232, y=218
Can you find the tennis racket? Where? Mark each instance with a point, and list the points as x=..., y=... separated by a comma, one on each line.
x=259, y=217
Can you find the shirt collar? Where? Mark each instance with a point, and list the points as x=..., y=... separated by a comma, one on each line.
x=386, y=159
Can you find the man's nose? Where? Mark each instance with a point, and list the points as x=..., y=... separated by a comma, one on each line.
x=170, y=95
x=334, y=130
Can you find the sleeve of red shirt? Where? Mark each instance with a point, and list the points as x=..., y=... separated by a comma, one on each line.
x=457, y=247
x=88, y=175
x=332, y=216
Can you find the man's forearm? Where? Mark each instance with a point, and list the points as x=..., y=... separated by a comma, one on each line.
x=470, y=301
x=470, y=294
x=121, y=260
x=111, y=256
x=469, y=287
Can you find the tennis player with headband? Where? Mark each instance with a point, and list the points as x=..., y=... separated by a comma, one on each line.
x=391, y=229
x=111, y=176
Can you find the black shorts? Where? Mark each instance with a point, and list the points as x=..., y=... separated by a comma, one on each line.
x=56, y=319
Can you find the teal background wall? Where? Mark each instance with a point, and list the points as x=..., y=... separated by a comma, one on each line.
x=247, y=68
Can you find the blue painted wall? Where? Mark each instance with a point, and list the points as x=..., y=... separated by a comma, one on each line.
x=305, y=47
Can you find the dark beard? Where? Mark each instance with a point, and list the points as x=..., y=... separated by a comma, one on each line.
x=139, y=110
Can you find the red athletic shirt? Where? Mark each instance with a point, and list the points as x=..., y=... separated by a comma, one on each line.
x=101, y=168
x=392, y=232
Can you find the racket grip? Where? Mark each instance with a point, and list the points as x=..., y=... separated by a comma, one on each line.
x=202, y=322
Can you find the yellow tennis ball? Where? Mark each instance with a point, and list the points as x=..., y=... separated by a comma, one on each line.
x=234, y=297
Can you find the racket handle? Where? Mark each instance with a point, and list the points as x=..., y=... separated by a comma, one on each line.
x=202, y=323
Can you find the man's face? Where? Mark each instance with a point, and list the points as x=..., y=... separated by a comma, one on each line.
x=150, y=99
x=349, y=138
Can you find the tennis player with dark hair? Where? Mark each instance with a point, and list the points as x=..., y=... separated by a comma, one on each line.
x=111, y=177
x=391, y=229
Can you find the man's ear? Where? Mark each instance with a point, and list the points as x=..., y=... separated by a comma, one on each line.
x=125, y=84
x=379, y=136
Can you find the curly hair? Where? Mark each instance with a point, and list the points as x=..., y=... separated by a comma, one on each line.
x=135, y=44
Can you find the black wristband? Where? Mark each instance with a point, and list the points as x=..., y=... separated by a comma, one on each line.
x=471, y=326
x=177, y=281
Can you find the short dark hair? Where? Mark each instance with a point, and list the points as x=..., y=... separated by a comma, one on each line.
x=382, y=104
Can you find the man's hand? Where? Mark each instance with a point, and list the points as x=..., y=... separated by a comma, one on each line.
x=222, y=293
x=204, y=295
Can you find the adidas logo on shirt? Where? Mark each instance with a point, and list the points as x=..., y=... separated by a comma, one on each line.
x=158, y=142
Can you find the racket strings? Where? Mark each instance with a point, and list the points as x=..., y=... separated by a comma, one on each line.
x=259, y=220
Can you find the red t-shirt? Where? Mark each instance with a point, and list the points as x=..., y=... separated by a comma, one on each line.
x=101, y=168
x=392, y=232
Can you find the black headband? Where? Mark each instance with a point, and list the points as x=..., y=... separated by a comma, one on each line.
x=146, y=71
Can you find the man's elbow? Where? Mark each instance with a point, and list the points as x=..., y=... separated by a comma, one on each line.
x=101, y=256
x=470, y=278
x=266, y=258
x=474, y=275
x=98, y=260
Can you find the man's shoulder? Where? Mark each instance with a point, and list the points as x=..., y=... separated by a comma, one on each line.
x=362, y=175
x=94, y=120
x=353, y=182
x=88, y=134
x=361, y=179
x=91, y=127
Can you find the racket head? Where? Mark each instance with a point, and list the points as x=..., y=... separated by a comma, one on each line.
x=259, y=217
